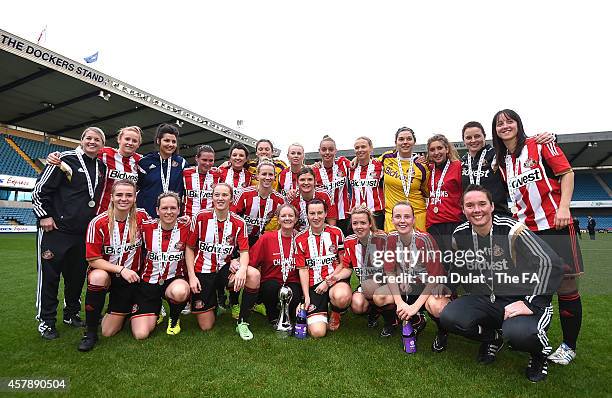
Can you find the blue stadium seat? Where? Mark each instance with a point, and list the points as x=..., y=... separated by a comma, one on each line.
x=22, y=216
x=12, y=163
x=586, y=187
x=607, y=177
x=37, y=149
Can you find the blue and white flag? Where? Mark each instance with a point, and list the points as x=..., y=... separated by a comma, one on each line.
x=92, y=58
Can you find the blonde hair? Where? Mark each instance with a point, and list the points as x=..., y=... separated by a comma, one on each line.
x=135, y=129
x=131, y=214
x=290, y=206
x=452, y=151
x=266, y=162
x=364, y=209
x=295, y=144
x=402, y=203
x=96, y=130
x=367, y=139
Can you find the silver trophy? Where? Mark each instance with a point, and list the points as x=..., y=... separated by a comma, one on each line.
x=283, y=326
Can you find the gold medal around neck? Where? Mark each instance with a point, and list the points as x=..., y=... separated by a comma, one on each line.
x=436, y=210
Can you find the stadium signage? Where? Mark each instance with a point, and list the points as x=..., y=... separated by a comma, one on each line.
x=43, y=56
x=17, y=228
x=7, y=181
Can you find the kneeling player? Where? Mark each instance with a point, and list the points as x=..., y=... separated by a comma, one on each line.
x=113, y=247
x=511, y=281
x=162, y=277
x=359, y=255
x=214, y=235
x=319, y=252
x=414, y=290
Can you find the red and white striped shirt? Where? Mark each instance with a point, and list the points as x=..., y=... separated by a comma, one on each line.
x=300, y=204
x=255, y=210
x=118, y=167
x=335, y=181
x=237, y=179
x=367, y=185
x=265, y=254
x=168, y=261
x=100, y=244
x=534, y=184
x=425, y=263
x=212, y=254
x=319, y=253
x=287, y=180
x=449, y=202
x=198, y=189
x=355, y=254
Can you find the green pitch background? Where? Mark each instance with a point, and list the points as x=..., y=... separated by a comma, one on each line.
x=353, y=361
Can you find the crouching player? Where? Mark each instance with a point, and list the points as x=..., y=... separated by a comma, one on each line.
x=162, y=275
x=511, y=280
x=214, y=235
x=410, y=286
x=113, y=247
x=319, y=252
x=359, y=255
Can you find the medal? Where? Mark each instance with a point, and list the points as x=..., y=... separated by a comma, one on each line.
x=438, y=190
x=163, y=264
x=165, y=181
x=329, y=186
x=492, y=297
x=285, y=261
x=436, y=210
x=91, y=188
x=478, y=170
x=514, y=209
x=405, y=184
x=161, y=282
x=515, y=193
x=475, y=242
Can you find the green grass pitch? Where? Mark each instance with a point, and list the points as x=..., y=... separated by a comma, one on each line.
x=353, y=361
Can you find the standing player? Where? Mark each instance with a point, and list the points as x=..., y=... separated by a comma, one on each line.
x=164, y=269
x=332, y=176
x=113, y=253
x=215, y=234
x=367, y=181
x=416, y=258
x=161, y=171
x=319, y=252
x=288, y=178
x=502, y=250
x=237, y=175
x=443, y=208
x=65, y=198
x=257, y=205
x=359, y=254
x=199, y=181
x=121, y=163
x=308, y=192
x=265, y=150
x=541, y=182
x=274, y=255
x=405, y=179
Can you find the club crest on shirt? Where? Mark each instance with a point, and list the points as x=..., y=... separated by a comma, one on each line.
x=174, y=163
x=47, y=255
x=229, y=240
x=332, y=249
x=134, y=308
x=152, y=166
x=80, y=170
x=529, y=163
x=198, y=304
x=180, y=246
x=497, y=251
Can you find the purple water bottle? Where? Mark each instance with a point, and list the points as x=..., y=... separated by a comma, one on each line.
x=300, y=324
x=409, y=338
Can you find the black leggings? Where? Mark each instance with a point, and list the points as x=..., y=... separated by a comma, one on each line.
x=268, y=291
x=475, y=317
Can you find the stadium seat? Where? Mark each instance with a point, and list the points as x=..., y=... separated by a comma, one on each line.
x=12, y=163
x=23, y=216
x=586, y=187
x=607, y=177
x=37, y=149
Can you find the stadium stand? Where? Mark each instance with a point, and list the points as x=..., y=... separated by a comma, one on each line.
x=603, y=222
x=12, y=163
x=37, y=149
x=607, y=177
x=588, y=188
x=15, y=215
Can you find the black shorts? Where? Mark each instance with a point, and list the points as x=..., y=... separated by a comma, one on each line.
x=223, y=276
x=121, y=296
x=206, y=300
x=318, y=302
x=148, y=298
x=443, y=235
x=564, y=243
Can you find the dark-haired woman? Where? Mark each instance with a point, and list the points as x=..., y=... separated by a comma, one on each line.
x=405, y=179
x=199, y=181
x=237, y=175
x=160, y=171
x=479, y=164
x=541, y=182
x=264, y=149
x=306, y=193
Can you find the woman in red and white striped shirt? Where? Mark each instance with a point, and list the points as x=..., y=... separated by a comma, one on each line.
x=367, y=181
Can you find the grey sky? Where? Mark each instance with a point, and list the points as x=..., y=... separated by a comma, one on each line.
x=294, y=71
